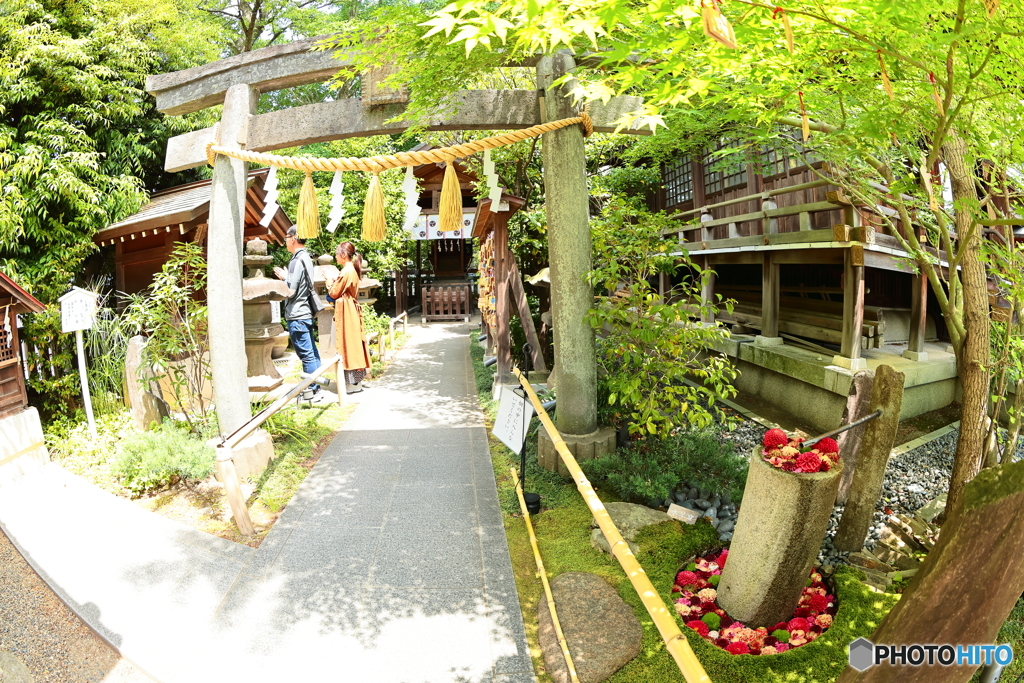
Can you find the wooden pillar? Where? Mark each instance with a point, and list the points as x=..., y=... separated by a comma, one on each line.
x=518, y=294
x=707, y=292
x=224, y=265
x=566, y=199
x=419, y=272
x=502, y=331
x=853, y=310
x=918, y=318
x=769, y=303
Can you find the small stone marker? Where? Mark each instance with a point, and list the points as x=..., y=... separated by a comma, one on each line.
x=12, y=670
x=601, y=630
x=147, y=410
x=683, y=514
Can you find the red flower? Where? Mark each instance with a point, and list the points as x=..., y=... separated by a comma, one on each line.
x=685, y=578
x=738, y=649
x=808, y=462
x=801, y=612
x=817, y=603
x=699, y=626
x=721, y=642
x=770, y=640
x=726, y=621
x=798, y=624
x=826, y=465
x=827, y=446
x=774, y=438
x=781, y=626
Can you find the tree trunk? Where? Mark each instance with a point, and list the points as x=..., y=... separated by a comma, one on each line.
x=973, y=360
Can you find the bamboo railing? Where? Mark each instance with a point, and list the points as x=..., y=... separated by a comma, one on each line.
x=675, y=641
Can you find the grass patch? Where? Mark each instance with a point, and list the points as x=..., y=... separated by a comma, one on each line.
x=563, y=536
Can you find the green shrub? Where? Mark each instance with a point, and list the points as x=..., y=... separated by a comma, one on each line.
x=162, y=457
x=650, y=469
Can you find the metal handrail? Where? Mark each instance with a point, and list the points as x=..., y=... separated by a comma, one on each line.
x=675, y=641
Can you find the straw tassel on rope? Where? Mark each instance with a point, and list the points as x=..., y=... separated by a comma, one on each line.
x=375, y=227
x=449, y=211
x=308, y=225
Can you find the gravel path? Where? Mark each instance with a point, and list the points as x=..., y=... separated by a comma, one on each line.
x=48, y=638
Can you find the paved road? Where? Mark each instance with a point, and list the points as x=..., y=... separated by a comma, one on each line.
x=390, y=564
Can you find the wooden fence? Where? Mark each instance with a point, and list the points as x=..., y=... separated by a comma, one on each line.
x=447, y=302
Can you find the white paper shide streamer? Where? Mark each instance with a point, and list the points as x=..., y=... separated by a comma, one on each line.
x=337, y=199
x=492, y=181
x=412, y=197
x=270, y=205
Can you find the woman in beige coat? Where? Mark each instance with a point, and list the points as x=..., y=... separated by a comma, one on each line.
x=348, y=318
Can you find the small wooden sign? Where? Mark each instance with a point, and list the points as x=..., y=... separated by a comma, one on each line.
x=513, y=421
x=77, y=310
x=683, y=514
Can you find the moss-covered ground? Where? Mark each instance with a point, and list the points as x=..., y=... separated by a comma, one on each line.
x=563, y=536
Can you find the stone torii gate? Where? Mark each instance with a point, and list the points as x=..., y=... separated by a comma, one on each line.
x=236, y=82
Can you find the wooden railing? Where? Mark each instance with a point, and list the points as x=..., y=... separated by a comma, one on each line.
x=225, y=449
x=764, y=220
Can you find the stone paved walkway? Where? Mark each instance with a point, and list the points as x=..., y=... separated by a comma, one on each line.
x=390, y=564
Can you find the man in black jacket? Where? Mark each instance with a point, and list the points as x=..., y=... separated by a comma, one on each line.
x=302, y=305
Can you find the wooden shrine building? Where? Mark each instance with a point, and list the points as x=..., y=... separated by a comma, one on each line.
x=143, y=241
x=14, y=301
x=461, y=278
x=822, y=289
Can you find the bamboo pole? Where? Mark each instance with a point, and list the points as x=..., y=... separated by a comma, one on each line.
x=675, y=641
x=544, y=578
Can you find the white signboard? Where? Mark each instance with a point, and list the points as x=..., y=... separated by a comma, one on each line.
x=77, y=310
x=683, y=514
x=513, y=421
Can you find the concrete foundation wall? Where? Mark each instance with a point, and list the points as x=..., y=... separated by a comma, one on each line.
x=823, y=409
x=22, y=445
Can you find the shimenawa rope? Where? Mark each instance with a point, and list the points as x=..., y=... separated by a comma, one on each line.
x=374, y=228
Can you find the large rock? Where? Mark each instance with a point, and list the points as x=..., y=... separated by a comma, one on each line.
x=601, y=630
x=629, y=519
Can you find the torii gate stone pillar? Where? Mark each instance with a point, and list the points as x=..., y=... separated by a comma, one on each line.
x=566, y=199
x=224, y=264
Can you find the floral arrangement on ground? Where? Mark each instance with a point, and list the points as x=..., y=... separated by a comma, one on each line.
x=789, y=454
x=697, y=605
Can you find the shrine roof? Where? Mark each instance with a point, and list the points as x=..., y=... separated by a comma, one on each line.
x=26, y=302
x=186, y=206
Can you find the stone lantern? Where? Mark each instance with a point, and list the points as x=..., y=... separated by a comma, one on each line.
x=261, y=330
